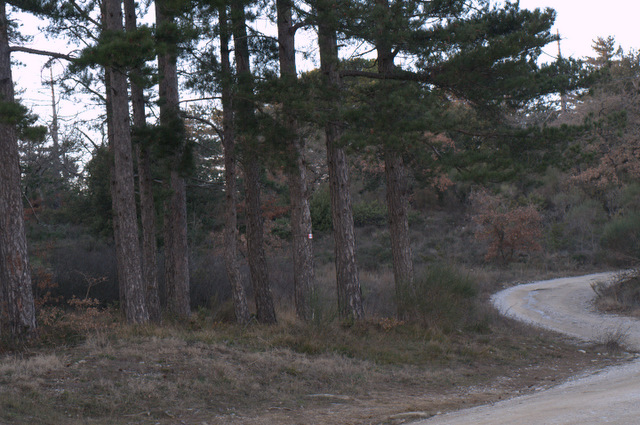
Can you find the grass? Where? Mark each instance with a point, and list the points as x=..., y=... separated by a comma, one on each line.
x=221, y=373
x=89, y=367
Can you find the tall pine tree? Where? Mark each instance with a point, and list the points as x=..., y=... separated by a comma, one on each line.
x=301, y=228
x=230, y=173
x=123, y=191
x=176, y=251
x=460, y=52
x=17, y=311
x=247, y=135
x=347, y=278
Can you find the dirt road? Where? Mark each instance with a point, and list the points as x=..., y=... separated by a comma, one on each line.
x=611, y=396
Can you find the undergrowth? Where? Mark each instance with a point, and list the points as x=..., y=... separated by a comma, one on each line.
x=87, y=365
x=622, y=295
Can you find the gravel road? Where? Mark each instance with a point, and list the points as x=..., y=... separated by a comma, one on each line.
x=610, y=396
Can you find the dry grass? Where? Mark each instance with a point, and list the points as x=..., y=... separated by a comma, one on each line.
x=620, y=296
x=88, y=367
x=208, y=372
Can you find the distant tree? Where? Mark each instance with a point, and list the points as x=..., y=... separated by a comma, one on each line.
x=610, y=146
x=605, y=49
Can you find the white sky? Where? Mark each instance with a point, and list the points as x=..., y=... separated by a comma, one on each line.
x=579, y=23
x=582, y=21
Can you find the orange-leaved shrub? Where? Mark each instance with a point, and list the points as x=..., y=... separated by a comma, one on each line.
x=509, y=230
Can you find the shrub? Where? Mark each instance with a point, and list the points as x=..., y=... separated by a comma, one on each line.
x=369, y=213
x=442, y=296
x=510, y=230
x=620, y=296
x=320, y=206
x=622, y=236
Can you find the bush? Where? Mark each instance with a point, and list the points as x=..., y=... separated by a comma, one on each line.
x=620, y=296
x=320, y=206
x=369, y=213
x=442, y=296
x=509, y=230
x=364, y=213
x=622, y=236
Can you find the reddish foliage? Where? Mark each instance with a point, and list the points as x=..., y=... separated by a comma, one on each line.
x=271, y=210
x=509, y=230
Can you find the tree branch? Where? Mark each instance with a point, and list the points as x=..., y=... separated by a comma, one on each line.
x=300, y=25
x=206, y=122
x=55, y=55
x=396, y=75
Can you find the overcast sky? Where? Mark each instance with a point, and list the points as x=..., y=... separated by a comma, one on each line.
x=579, y=23
x=582, y=21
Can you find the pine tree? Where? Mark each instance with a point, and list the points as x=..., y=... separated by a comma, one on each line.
x=231, y=196
x=147, y=204
x=348, y=281
x=246, y=133
x=175, y=217
x=463, y=52
x=123, y=196
x=605, y=49
x=17, y=309
x=301, y=228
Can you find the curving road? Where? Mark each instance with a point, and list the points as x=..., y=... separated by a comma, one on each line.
x=611, y=396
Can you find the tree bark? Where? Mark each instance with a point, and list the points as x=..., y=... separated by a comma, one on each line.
x=348, y=282
x=398, y=212
x=301, y=228
x=231, y=196
x=176, y=252
x=176, y=248
x=123, y=196
x=265, y=311
x=145, y=184
x=17, y=310
x=396, y=179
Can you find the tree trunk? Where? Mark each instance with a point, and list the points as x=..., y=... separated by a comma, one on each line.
x=17, y=310
x=231, y=197
x=301, y=228
x=112, y=189
x=265, y=311
x=348, y=282
x=176, y=252
x=398, y=208
x=123, y=196
x=396, y=179
x=145, y=184
x=58, y=168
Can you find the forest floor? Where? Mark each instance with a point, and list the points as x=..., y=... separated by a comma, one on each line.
x=209, y=373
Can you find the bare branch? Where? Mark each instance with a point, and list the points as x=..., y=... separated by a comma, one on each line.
x=206, y=122
x=396, y=75
x=300, y=25
x=55, y=55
